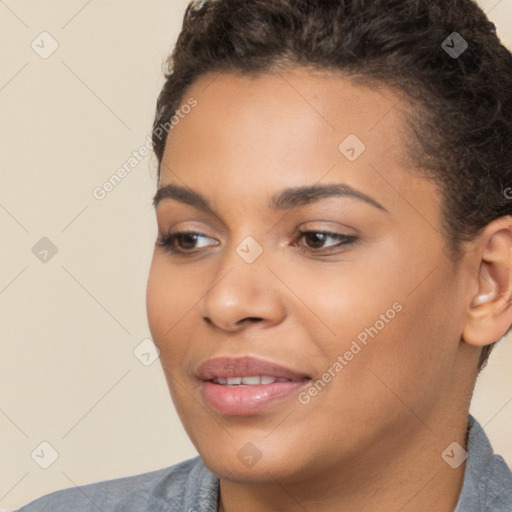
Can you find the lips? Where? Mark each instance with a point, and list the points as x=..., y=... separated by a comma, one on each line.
x=247, y=385
x=226, y=367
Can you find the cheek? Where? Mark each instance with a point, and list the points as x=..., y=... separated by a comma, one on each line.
x=384, y=321
x=336, y=303
x=156, y=299
x=170, y=296
x=418, y=346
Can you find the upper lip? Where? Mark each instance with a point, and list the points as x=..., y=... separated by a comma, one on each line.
x=224, y=367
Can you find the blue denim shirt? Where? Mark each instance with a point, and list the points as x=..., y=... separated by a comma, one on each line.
x=190, y=487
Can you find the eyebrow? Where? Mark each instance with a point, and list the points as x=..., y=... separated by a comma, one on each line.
x=287, y=199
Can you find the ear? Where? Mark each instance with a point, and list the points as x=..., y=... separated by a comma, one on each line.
x=490, y=309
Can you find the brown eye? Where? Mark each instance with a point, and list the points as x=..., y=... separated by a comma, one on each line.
x=317, y=239
x=180, y=242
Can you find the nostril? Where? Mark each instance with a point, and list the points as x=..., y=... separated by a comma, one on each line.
x=249, y=319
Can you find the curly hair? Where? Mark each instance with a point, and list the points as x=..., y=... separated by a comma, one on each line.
x=461, y=122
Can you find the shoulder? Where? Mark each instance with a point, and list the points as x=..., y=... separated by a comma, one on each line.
x=496, y=485
x=487, y=483
x=177, y=487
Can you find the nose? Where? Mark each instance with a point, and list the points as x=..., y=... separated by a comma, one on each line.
x=243, y=294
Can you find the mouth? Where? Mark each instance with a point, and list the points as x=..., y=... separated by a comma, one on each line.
x=247, y=386
x=252, y=380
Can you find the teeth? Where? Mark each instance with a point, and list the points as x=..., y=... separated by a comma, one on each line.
x=253, y=380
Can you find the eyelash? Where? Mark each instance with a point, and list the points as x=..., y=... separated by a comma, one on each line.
x=167, y=240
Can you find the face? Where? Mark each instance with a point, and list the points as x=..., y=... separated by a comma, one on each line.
x=339, y=294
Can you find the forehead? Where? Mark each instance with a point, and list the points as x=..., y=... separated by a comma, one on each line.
x=257, y=134
x=310, y=100
x=285, y=107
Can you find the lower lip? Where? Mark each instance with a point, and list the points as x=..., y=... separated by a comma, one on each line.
x=245, y=400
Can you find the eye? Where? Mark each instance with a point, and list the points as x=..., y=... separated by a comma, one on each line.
x=186, y=241
x=318, y=239
x=182, y=243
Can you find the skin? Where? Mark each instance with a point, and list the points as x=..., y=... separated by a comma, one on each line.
x=372, y=438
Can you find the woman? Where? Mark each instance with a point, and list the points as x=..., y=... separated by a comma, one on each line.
x=333, y=262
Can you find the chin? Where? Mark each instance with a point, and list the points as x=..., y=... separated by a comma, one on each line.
x=263, y=471
x=245, y=461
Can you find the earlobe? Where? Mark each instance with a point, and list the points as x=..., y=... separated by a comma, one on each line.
x=489, y=315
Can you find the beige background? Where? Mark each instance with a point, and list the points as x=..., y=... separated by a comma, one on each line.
x=69, y=326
